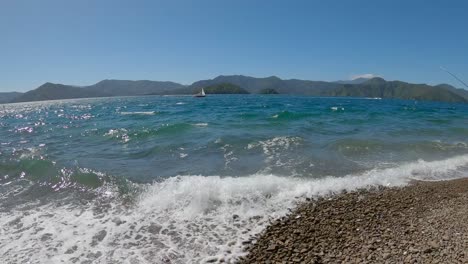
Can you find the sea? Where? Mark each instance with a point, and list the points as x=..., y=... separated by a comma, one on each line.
x=178, y=179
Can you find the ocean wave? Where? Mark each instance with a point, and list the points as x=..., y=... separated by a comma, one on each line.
x=45, y=173
x=352, y=147
x=139, y=113
x=185, y=219
x=287, y=115
x=173, y=129
x=118, y=133
x=249, y=115
x=275, y=149
x=200, y=124
x=125, y=135
x=337, y=108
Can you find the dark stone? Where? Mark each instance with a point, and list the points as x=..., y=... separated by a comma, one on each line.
x=154, y=228
x=98, y=237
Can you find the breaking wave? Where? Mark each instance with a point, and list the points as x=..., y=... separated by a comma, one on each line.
x=183, y=219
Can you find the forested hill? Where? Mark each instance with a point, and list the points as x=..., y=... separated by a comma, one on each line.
x=375, y=87
x=235, y=84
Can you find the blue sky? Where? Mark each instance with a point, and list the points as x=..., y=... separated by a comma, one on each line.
x=84, y=41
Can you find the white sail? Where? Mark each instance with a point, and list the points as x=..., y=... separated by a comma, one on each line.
x=200, y=94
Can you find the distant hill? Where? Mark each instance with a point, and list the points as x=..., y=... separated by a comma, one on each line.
x=268, y=91
x=8, y=97
x=251, y=84
x=459, y=91
x=255, y=85
x=125, y=88
x=376, y=87
x=354, y=81
x=52, y=91
x=223, y=88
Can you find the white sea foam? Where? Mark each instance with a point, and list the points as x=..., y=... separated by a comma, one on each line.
x=184, y=219
x=228, y=155
x=119, y=133
x=337, y=108
x=274, y=148
x=138, y=113
x=201, y=124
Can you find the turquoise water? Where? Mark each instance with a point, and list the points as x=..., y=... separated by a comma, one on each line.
x=187, y=165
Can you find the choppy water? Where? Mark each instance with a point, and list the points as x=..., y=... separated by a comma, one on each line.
x=186, y=180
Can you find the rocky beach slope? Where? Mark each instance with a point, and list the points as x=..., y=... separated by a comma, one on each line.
x=426, y=222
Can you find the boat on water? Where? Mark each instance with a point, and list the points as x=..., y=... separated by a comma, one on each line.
x=200, y=94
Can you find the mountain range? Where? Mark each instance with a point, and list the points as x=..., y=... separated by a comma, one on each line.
x=8, y=97
x=375, y=87
x=354, y=81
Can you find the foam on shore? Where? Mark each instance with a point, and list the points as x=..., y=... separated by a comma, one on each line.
x=183, y=219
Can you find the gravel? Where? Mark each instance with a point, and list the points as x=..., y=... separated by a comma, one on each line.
x=425, y=222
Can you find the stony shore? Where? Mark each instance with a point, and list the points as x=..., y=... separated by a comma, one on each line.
x=425, y=222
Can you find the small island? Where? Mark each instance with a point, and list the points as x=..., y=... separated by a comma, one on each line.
x=268, y=91
x=223, y=88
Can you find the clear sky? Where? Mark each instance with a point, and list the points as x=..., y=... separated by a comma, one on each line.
x=84, y=41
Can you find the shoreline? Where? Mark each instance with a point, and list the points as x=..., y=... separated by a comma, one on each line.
x=425, y=222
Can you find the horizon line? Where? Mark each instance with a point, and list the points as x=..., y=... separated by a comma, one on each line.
x=362, y=76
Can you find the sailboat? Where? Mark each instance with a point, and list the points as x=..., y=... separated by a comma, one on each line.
x=200, y=94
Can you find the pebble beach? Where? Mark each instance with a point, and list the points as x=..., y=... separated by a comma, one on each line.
x=425, y=222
